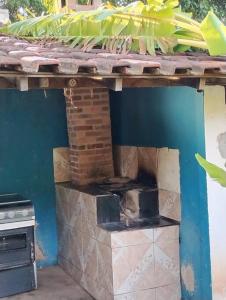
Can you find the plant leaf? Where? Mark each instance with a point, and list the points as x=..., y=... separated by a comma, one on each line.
x=215, y=172
x=214, y=33
x=143, y=28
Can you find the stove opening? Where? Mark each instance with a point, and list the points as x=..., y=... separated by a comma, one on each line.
x=135, y=196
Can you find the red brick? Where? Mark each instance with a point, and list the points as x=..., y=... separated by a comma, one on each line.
x=97, y=133
x=80, y=91
x=100, y=90
x=83, y=103
x=94, y=121
x=103, y=139
x=95, y=146
x=90, y=97
x=83, y=128
x=75, y=98
x=98, y=127
x=81, y=147
x=75, y=110
x=100, y=102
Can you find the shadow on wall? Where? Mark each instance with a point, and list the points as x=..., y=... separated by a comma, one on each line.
x=173, y=118
x=31, y=125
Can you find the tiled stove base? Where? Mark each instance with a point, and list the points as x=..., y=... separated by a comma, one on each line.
x=135, y=264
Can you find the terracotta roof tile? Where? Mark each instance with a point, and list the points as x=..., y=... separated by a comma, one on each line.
x=26, y=57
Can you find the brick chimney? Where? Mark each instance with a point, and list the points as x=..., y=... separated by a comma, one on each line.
x=89, y=131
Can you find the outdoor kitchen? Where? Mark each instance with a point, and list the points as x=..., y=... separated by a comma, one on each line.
x=114, y=204
x=118, y=213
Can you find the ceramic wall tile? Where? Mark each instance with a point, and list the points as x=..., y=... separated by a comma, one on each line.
x=170, y=292
x=75, y=255
x=71, y=192
x=89, y=203
x=70, y=269
x=108, y=296
x=167, y=269
x=64, y=236
x=139, y=295
x=104, y=295
x=90, y=285
x=105, y=273
x=89, y=256
x=75, y=214
x=147, y=160
x=62, y=205
x=103, y=236
x=132, y=238
x=61, y=163
x=126, y=161
x=93, y=286
x=168, y=174
x=133, y=268
x=167, y=233
x=68, y=206
x=169, y=204
x=89, y=223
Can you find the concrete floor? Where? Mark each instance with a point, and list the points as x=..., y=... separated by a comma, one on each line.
x=54, y=284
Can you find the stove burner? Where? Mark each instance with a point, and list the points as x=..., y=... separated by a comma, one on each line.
x=15, y=208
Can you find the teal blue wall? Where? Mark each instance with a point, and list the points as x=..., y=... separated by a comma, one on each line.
x=31, y=125
x=174, y=118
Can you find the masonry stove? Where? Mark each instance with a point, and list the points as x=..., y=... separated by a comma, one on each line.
x=114, y=241
x=17, y=253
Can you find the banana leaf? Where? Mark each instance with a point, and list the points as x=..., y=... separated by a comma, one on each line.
x=139, y=27
x=215, y=172
x=214, y=33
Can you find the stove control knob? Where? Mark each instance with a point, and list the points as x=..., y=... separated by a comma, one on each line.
x=25, y=213
x=11, y=214
x=2, y=215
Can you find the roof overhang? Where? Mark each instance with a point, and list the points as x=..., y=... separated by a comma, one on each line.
x=49, y=65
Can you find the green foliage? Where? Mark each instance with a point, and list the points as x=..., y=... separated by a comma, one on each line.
x=36, y=7
x=160, y=24
x=50, y=6
x=138, y=27
x=198, y=8
x=216, y=173
x=201, y=8
x=119, y=2
x=214, y=33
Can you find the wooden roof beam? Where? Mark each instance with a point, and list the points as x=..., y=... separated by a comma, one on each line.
x=114, y=84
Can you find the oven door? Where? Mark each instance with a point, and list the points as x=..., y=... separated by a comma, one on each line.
x=16, y=247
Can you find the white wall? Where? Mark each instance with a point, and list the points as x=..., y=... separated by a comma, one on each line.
x=4, y=16
x=215, y=127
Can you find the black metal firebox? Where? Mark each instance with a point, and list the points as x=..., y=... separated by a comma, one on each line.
x=17, y=253
x=124, y=204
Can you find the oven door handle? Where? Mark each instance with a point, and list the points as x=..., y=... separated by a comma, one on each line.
x=16, y=225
